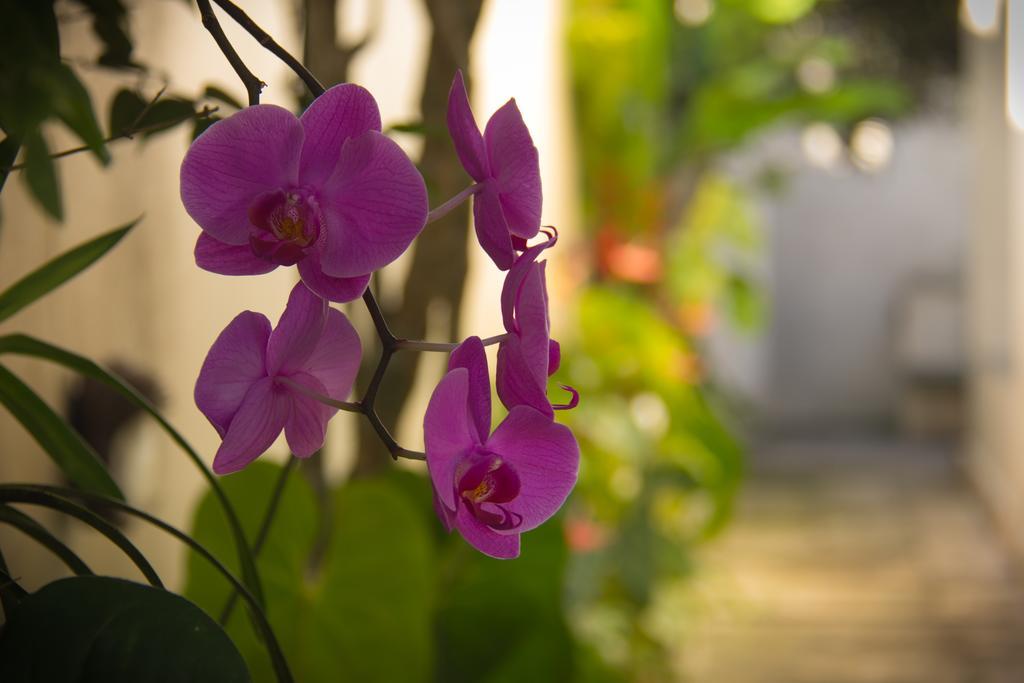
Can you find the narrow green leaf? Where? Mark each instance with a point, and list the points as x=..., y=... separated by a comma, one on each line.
x=56, y=272
x=41, y=175
x=94, y=628
x=37, y=532
x=64, y=445
x=125, y=109
x=110, y=24
x=73, y=105
x=27, y=346
x=8, y=153
x=165, y=114
x=214, y=93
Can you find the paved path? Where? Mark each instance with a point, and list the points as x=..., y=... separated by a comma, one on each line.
x=856, y=563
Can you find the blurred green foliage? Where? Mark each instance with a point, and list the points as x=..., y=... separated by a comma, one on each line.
x=663, y=92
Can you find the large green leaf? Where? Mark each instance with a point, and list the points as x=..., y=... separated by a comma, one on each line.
x=92, y=628
x=502, y=620
x=365, y=610
x=64, y=445
x=57, y=271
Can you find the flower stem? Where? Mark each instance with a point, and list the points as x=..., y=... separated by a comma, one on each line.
x=264, y=531
x=352, y=407
x=446, y=208
x=442, y=347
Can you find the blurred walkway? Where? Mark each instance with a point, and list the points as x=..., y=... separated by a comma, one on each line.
x=857, y=563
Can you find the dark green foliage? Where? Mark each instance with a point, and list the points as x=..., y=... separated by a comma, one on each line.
x=92, y=628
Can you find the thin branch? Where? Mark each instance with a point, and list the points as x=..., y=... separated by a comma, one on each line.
x=443, y=347
x=253, y=85
x=204, y=113
x=446, y=208
x=264, y=39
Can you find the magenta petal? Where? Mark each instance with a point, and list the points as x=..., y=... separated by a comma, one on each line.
x=546, y=458
x=517, y=274
x=448, y=433
x=532, y=321
x=554, y=356
x=307, y=421
x=234, y=161
x=491, y=228
x=344, y=111
x=339, y=289
x=375, y=203
x=446, y=516
x=470, y=354
x=483, y=538
x=516, y=380
x=235, y=362
x=465, y=134
x=229, y=259
x=335, y=359
x=259, y=421
x=297, y=332
x=515, y=166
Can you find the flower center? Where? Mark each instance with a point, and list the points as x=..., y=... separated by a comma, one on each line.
x=285, y=223
x=484, y=481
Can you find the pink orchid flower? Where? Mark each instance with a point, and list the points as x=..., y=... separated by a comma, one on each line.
x=505, y=165
x=256, y=382
x=326, y=192
x=528, y=355
x=493, y=487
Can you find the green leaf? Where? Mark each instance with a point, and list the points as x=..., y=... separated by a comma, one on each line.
x=8, y=153
x=165, y=114
x=37, y=532
x=365, y=611
x=72, y=104
x=502, y=620
x=93, y=628
x=214, y=93
x=110, y=24
x=41, y=175
x=57, y=271
x=27, y=346
x=64, y=445
x=125, y=109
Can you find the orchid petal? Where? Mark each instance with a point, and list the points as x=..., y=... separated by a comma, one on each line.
x=532, y=321
x=515, y=379
x=254, y=151
x=335, y=359
x=344, y=111
x=465, y=134
x=491, y=228
x=546, y=458
x=470, y=354
x=574, y=399
x=554, y=356
x=485, y=539
x=375, y=204
x=306, y=426
x=229, y=259
x=235, y=362
x=514, y=281
x=515, y=166
x=446, y=516
x=259, y=421
x=339, y=289
x=448, y=433
x=297, y=332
